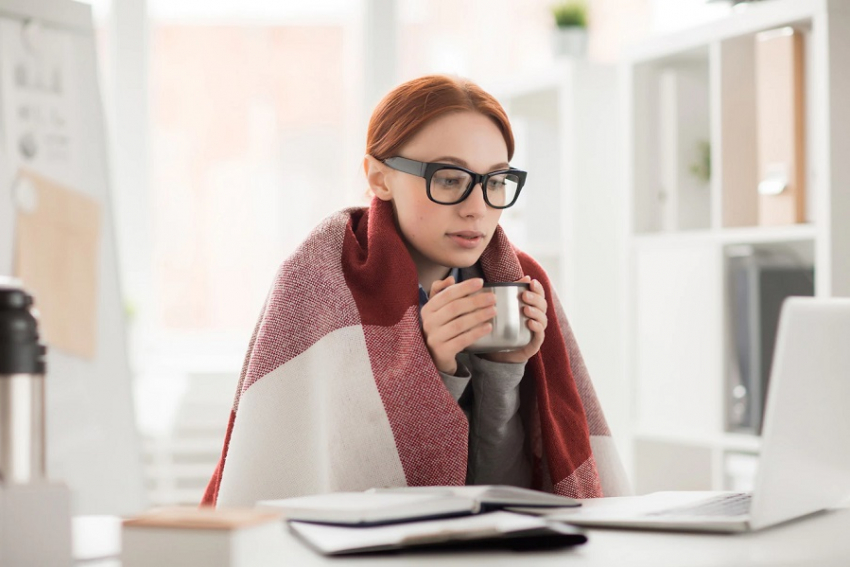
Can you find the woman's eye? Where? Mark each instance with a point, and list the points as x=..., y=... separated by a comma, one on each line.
x=449, y=182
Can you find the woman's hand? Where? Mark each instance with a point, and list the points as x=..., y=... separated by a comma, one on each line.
x=535, y=309
x=453, y=319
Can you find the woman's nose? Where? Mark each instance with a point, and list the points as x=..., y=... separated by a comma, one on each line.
x=474, y=205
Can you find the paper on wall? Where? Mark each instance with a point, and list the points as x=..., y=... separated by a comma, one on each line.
x=56, y=256
x=36, y=96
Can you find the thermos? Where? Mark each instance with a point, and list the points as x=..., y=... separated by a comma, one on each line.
x=22, y=367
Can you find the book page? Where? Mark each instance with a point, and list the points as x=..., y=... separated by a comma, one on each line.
x=354, y=501
x=489, y=494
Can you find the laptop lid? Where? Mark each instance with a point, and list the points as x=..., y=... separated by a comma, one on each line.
x=805, y=456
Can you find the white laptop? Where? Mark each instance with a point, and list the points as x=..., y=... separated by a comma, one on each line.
x=805, y=456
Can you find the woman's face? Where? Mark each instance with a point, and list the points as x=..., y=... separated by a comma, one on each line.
x=446, y=236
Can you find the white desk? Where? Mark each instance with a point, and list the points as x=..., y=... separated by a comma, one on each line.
x=818, y=541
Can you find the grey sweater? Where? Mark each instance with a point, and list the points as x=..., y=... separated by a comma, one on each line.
x=491, y=404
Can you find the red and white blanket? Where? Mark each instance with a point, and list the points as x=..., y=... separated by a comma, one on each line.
x=338, y=390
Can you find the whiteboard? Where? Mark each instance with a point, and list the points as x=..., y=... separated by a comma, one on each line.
x=92, y=442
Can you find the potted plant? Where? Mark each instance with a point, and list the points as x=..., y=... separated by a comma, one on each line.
x=570, y=37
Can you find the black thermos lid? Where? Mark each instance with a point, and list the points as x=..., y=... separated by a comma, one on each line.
x=20, y=351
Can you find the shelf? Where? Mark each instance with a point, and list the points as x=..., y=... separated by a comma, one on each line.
x=696, y=139
x=738, y=442
x=673, y=117
x=748, y=235
x=746, y=20
x=691, y=292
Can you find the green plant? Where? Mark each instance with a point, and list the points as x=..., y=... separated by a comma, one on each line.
x=130, y=310
x=701, y=169
x=572, y=13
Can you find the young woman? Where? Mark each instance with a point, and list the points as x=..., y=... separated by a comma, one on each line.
x=356, y=376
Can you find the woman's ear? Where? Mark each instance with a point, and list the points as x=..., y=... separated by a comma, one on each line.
x=376, y=176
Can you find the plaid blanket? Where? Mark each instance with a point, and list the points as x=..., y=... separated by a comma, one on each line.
x=338, y=390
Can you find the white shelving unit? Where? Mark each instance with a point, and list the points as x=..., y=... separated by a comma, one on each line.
x=679, y=347
x=568, y=127
x=562, y=127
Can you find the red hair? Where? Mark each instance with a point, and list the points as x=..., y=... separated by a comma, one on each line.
x=405, y=110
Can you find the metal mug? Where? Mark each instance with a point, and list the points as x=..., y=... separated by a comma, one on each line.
x=510, y=325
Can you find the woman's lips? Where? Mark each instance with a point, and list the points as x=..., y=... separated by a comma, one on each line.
x=467, y=238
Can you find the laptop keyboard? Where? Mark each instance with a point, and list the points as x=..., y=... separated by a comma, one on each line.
x=737, y=504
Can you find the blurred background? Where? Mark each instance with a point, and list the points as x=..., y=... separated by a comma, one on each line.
x=233, y=127
x=236, y=126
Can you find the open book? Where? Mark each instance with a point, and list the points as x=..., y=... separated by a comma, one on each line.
x=392, y=505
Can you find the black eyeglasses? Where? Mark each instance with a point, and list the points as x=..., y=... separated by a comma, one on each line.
x=448, y=184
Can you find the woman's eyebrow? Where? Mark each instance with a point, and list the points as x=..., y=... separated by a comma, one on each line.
x=462, y=163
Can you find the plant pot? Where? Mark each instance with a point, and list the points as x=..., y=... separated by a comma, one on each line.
x=570, y=42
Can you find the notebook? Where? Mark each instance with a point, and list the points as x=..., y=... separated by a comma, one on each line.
x=391, y=505
x=805, y=457
x=481, y=531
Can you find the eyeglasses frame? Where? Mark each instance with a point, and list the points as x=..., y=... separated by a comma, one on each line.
x=426, y=171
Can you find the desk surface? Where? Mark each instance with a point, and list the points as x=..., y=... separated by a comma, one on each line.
x=820, y=540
